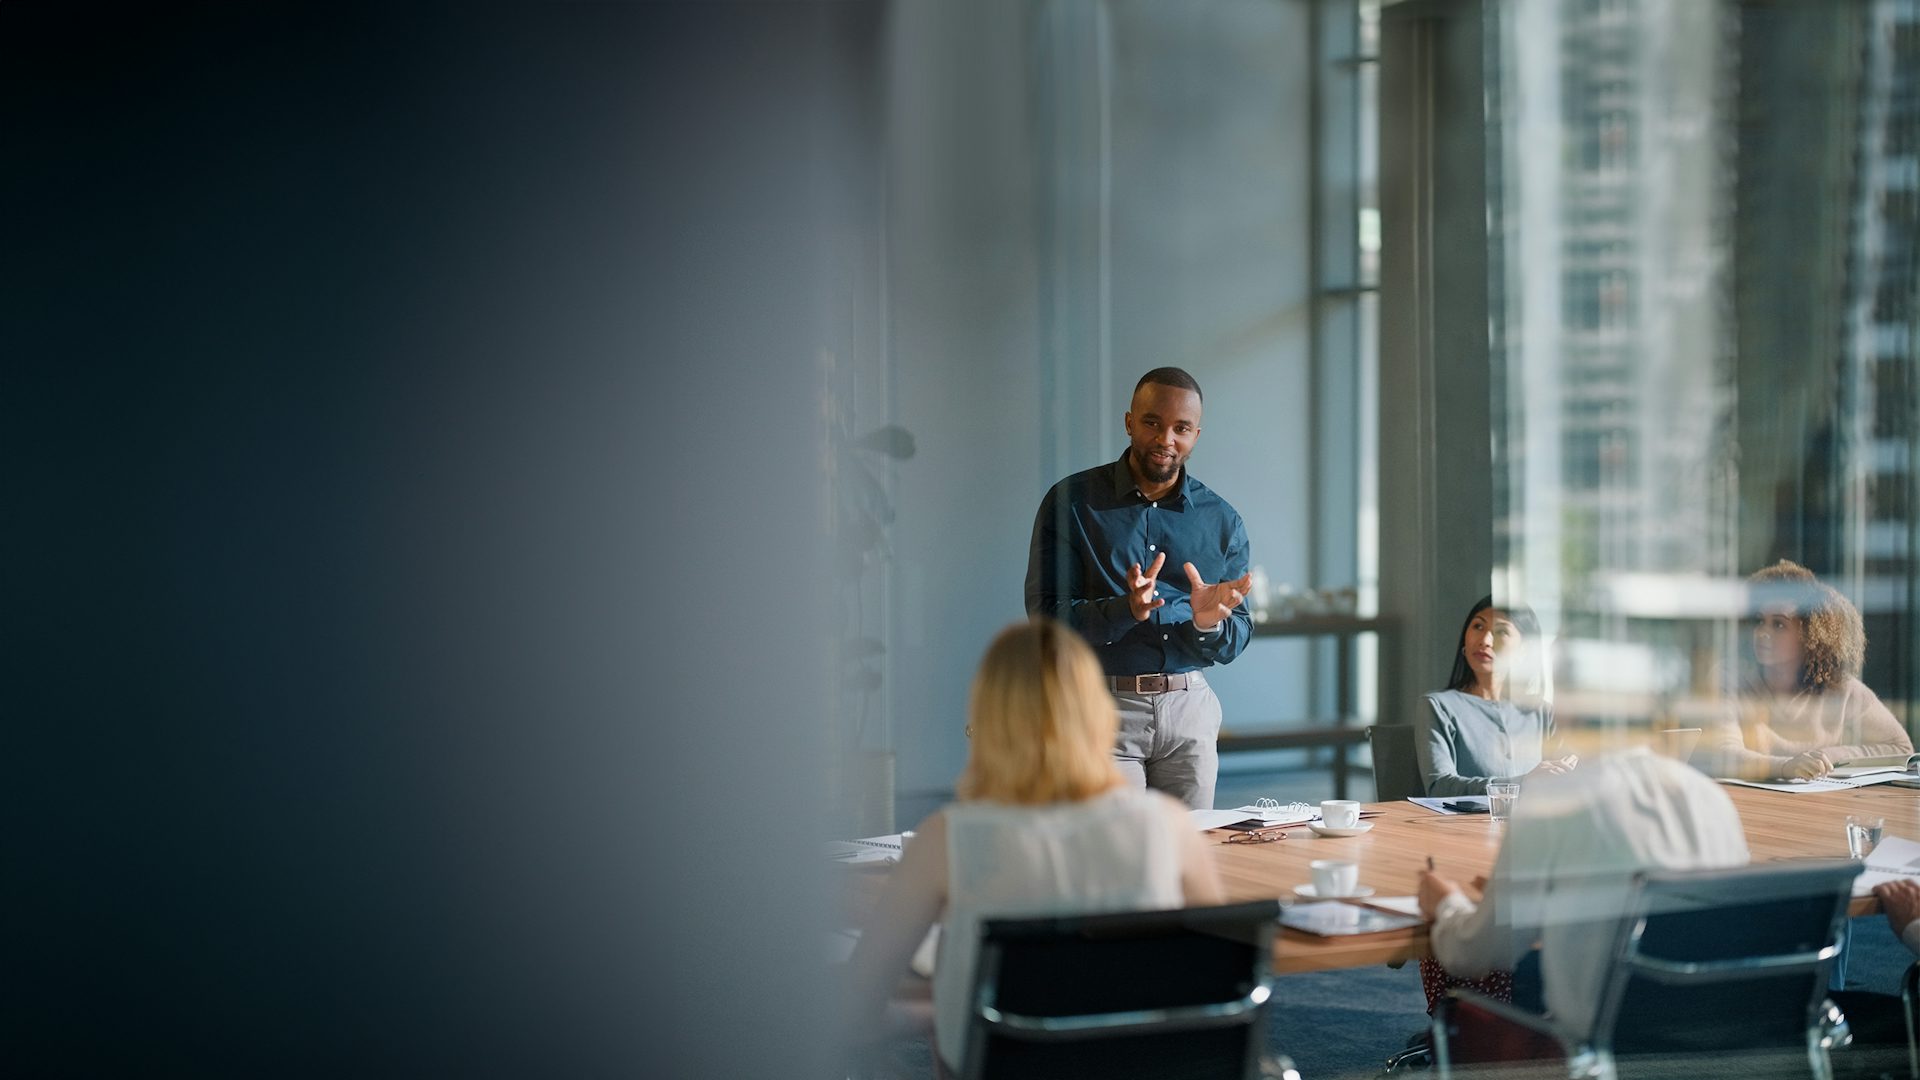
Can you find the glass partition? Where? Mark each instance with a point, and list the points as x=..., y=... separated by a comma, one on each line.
x=1701, y=292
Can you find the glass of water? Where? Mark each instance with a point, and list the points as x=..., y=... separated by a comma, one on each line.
x=1500, y=797
x=1863, y=834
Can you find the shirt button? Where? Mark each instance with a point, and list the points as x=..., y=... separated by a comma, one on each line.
x=1155, y=502
x=1150, y=547
x=1163, y=637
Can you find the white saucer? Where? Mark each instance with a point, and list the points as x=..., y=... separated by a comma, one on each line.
x=1312, y=893
x=1323, y=830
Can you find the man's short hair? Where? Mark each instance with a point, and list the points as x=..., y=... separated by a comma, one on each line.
x=1171, y=376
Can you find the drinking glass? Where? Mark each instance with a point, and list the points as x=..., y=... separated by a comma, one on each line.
x=1500, y=798
x=1863, y=834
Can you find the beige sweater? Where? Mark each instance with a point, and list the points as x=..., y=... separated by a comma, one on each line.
x=1764, y=730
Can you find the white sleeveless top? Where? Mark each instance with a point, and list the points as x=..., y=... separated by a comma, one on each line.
x=1118, y=851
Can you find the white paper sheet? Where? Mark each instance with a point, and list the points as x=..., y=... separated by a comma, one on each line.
x=1405, y=905
x=1894, y=857
x=1218, y=819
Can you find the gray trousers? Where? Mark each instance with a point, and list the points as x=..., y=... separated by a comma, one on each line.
x=1169, y=741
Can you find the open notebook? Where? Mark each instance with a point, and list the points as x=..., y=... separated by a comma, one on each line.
x=1809, y=787
x=1898, y=764
x=1265, y=811
x=1894, y=857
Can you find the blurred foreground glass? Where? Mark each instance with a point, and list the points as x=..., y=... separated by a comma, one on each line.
x=1863, y=834
x=1703, y=334
x=1500, y=798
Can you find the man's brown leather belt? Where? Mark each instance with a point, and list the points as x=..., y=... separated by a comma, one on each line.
x=1150, y=684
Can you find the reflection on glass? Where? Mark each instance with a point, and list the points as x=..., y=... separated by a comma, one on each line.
x=1703, y=235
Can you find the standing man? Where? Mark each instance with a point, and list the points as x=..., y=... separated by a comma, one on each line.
x=1100, y=542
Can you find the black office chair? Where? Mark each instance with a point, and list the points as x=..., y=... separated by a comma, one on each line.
x=1910, y=1008
x=1709, y=965
x=1396, y=763
x=1153, y=994
x=1911, y=1013
x=1883, y=1026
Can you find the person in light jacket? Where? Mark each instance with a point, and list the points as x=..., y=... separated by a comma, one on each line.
x=1800, y=709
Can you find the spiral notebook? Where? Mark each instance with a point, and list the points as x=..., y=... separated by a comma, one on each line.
x=1824, y=783
x=873, y=849
x=1895, y=857
x=1259, y=814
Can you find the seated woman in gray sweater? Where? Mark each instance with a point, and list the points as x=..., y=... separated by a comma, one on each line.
x=1490, y=723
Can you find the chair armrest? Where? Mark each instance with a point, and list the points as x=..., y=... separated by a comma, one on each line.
x=1910, y=1012
x=1277, y=1067
x=1178, y=1017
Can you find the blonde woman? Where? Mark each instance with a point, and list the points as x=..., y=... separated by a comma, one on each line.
x=1045, y=825
x=1801, y=709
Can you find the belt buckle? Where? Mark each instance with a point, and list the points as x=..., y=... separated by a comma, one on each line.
x=1150, y=684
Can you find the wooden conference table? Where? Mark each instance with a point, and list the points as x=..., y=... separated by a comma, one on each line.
x=1392, y=854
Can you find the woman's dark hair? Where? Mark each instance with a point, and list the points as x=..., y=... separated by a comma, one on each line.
x=1524, y=621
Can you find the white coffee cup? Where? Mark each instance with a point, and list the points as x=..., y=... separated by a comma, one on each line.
x=1340, y=813
x=1335, y=877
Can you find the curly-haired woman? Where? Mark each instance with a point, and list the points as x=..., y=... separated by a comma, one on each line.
x=1802, y=709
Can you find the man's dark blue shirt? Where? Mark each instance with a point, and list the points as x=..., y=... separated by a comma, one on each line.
x=1093, y=525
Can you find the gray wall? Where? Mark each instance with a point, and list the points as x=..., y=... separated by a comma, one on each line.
x=1077, y=193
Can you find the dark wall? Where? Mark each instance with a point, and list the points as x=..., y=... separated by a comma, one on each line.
x=412, y=492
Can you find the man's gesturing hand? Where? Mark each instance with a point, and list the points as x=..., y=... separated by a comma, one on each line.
x=1142, y=596
x=1212, y=603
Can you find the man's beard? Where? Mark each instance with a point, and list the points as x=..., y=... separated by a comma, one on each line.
x=1155, y=471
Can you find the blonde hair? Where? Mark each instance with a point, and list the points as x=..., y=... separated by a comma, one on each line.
x=1833, y=641
x=1041, y=720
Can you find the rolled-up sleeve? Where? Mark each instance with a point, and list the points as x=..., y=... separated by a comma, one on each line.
x=1469, y=939
x=1226, y=640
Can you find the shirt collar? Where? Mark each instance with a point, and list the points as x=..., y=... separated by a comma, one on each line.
x=1123, y=484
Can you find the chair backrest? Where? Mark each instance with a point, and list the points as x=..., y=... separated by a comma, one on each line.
x=1712, y=961
x=1163, y=994
x=1396, y=763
